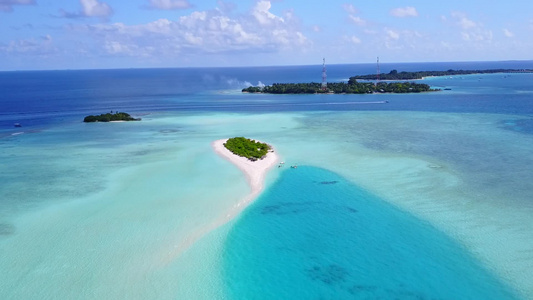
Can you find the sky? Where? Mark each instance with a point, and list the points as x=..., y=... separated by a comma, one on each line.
x=102, y=34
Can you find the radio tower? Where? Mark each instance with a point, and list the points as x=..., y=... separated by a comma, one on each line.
x=324, y=76
x=377, y=72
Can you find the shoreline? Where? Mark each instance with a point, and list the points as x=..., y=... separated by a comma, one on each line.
x=255, y=173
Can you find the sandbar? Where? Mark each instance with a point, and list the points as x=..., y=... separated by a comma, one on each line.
x=255, y=171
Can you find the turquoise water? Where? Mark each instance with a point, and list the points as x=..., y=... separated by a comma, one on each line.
x=140, y=210
x=315, y=235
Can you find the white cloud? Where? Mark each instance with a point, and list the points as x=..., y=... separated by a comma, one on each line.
x=261, y=12
x=463, y=21
x=301, y=39
x=193, y=19
x=353, y=39
x=466, y=23
x=403, y=12
x=349, y=8
x=41, y=46
x=352, y=11
x=116, y=48
x=89, y=9
x=357, y=20
x=393, y=34
x=395, y=39
x=508, y=33
x=471, y=31
x=193, y=40
x=225, y=7
x=200, y=32
x=289, y=15
x=7, y=5
x=169, y=4
x=477, y=36
x=94, y=8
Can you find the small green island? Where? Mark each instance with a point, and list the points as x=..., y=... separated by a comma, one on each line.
x=248, y=148
x=354, y=87
x=395, y=75
x=351, y=87
x=109, y=117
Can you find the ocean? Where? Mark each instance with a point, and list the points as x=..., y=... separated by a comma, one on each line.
x=427, y=196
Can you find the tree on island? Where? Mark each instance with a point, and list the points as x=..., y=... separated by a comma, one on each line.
x=395, y=75
x=352, y=87
x=248, y=148
x=118, y=116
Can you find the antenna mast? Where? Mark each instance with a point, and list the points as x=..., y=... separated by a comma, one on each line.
x=324, y=76
x=377, y=72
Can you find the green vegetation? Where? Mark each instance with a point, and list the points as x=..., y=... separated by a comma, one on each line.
x=118, y=116
x=247, y=148
x=352, y=87
x=395, y=75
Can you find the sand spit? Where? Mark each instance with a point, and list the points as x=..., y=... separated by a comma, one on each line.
x=255, y=172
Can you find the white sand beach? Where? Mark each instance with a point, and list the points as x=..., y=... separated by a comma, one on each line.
x=255, y=171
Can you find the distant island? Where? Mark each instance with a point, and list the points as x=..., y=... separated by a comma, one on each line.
x=352, y=87
x=109, y=117
x=248, y=148
x=395, y=75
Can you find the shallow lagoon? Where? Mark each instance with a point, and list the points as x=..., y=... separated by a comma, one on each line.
x=92, y=212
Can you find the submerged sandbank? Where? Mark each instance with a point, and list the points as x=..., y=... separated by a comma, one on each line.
x=255, y=172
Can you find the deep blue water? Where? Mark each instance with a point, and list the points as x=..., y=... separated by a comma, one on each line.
x=314, y=235
x=37, y=98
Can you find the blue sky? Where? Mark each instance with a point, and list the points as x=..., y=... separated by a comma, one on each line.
x=87, y=34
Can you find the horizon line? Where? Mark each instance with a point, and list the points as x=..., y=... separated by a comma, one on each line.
x=259, y=66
